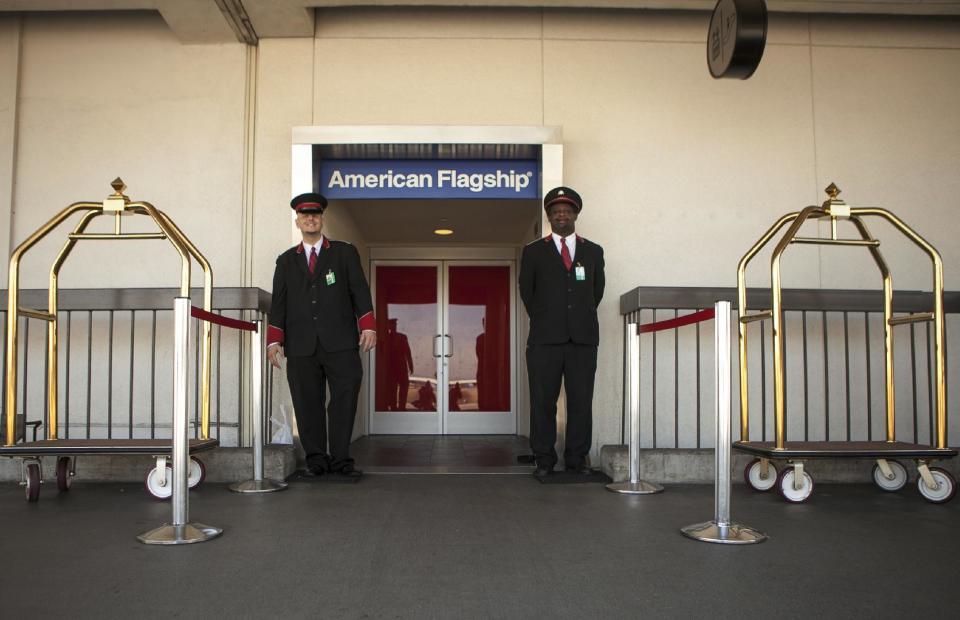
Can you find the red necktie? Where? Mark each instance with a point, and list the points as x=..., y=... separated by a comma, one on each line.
x=313, y=260
x=565, y=253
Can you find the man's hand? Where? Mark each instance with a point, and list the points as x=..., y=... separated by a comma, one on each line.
x=275, y=354
x=368, y=340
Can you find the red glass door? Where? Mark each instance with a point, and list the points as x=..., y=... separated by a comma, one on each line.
x=478, y=362
x=445, y=358
x=407, y=357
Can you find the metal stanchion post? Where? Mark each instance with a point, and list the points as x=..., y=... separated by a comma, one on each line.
x=258, y=484
x=180, y=531
x=721, y=529
x=634, y=486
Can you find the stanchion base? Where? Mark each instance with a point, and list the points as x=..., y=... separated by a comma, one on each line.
x=179, y=534
x=729, y=534
x=639, y=487
x=257, y=486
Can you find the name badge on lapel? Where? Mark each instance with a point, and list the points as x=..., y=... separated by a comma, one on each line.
x=579, y=273
x=331, y=279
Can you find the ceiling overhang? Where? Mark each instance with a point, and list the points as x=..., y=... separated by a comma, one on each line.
x=220, y=21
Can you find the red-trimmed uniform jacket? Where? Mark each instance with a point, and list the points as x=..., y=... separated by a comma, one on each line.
x=561, y=307
x=332, y=305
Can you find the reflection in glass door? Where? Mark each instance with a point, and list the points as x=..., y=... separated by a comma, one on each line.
x=444, y=363
x=477, y=331
x=407, y=356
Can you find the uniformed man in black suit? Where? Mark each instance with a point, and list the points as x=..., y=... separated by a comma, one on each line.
x=561, y=284
x=321, y=314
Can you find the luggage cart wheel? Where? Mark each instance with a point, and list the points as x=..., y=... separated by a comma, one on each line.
x=944, y=491
x=198, y=472
x=154, y=487
x=33, y=482
x=64, y=475
x=895, y=481
x=785, y=483
x=753, y=475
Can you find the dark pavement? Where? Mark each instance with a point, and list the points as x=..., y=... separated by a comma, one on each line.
x=476, y=546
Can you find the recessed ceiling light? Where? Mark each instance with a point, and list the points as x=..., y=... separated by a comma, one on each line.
x=443, y=232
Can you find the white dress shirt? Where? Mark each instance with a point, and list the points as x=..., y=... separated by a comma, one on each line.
x=307, y=247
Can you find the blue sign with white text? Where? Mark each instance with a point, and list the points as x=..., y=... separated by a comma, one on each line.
x=432, y=179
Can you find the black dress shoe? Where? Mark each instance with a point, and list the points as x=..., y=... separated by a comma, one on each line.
x=312, y=472
x=349, y=471
x=542, y=470
x=580, y=470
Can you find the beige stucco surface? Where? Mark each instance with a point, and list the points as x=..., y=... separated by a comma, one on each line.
x=9, y=62
x=459, y=81
x=284, y=100
x=103, y=96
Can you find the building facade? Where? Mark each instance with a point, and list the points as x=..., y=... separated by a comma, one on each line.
x=680, y=173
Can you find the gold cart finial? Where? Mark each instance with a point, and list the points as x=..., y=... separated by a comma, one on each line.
x=835, y=207
x=118, y=186
x=117, y=201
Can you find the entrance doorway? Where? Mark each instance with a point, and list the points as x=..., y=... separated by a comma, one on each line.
x=386, y=223
x=446, y=361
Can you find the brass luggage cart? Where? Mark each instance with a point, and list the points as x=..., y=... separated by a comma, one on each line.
x=158, y=479
x=936, y=485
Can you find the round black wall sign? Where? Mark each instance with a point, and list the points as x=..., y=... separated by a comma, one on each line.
x=737, y=36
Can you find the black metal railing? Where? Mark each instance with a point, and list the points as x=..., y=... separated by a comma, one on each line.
x=114, y=369
x=834, y=366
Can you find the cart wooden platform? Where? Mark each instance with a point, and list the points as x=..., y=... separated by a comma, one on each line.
x=157, y=479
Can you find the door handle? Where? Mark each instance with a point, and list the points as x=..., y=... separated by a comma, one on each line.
x=435, y=339
x=449, y=348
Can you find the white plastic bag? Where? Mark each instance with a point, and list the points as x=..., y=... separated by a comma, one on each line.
x=281, y=431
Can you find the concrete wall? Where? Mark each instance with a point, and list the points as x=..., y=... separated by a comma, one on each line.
x=680, y=173
x=10, y=28
x=106, y=95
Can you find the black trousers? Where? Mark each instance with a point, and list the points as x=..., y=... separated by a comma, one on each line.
x=308, y=378
x=576, y=366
